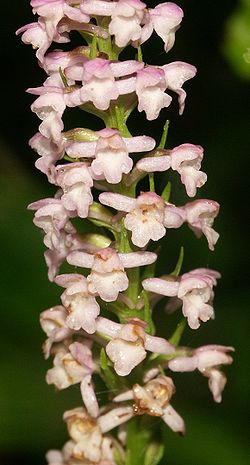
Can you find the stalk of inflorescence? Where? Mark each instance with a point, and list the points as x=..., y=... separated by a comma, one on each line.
x=100, y=224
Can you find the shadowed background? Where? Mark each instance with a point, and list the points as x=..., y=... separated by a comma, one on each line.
x=216, y=116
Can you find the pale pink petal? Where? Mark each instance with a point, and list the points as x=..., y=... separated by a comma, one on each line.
x=125, y=355
x=176, y=74
x=125, y=21
x=158, y=345
x=82, y=259
x=183, y=363
x=97, y=7
x=117, y=201
x=150, y=88
x=174, y=217
x=114, y=418
x=152, y=164
x=108, y=327
x=125, y=68
x=134, y=259
x=139, y=143
x=128, y=395
x=89, y=397
x=216, y=382
x=165, y=287
x=166, y=18
x=173, y=420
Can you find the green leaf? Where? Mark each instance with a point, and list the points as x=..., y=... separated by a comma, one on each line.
x=149, y=271
x=163, y=140
x=148, y=314
x=63, y=77
x=177, y=334
x=166, y=192
x=179, y=263
x=111, y=379
x=139, y=54
x=137, y=442
x=154, y=454
x=151, y=182
x=93, y=48
x=118, y=455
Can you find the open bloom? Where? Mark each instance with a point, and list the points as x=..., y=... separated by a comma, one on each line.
x=76, y=182
x=108, y=277
x=51, y=12
x=199, y=215
x=129, y=343
x=53, y=323
x=147, y=215
x=165, y=19
x=49, y=107
x=185, y=159
x=194, y=289
x=176, y=74
x=126, y=20
x=110, y=153
x=81, y=306
x=36, y=35
x=52, y=217
x=50, y=152
x=88, y=443
x=72, y=367
x=207, y=360
x=153, y=399
x=150, y=89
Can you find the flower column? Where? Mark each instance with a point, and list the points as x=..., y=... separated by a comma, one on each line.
x=104, y=326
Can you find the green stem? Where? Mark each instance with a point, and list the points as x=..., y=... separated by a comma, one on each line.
x=151, y=182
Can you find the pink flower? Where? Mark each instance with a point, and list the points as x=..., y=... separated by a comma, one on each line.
x=126, y=20
x=36, y=35
x=176, y=74
x=82, y=307
x=99, y=85
x=145, y=216
x=129, y=343
x=195, y=289
x=107, y=277
x=185, y=159
x=110, y=152
x=148, y=215
x=150, y=87
x=57, y=59
x=153, y=399
x=53, y=11
x=73, y=367
x=53, y=323
x=111, y=159
x=76, y=182
x=200, y=216
x=207, y=360
x=52, y=217
x=165, y=19
x=49, y=153
x=50, y=107
x=66, y=243
x=88, y=443
x=85, y=433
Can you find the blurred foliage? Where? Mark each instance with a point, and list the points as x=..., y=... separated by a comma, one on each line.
x=216, y=116
x=236, y=44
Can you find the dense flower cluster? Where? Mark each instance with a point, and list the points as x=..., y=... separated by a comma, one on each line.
x=81, y=335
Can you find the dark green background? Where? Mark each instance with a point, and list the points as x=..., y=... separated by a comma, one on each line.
x=216, y=117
